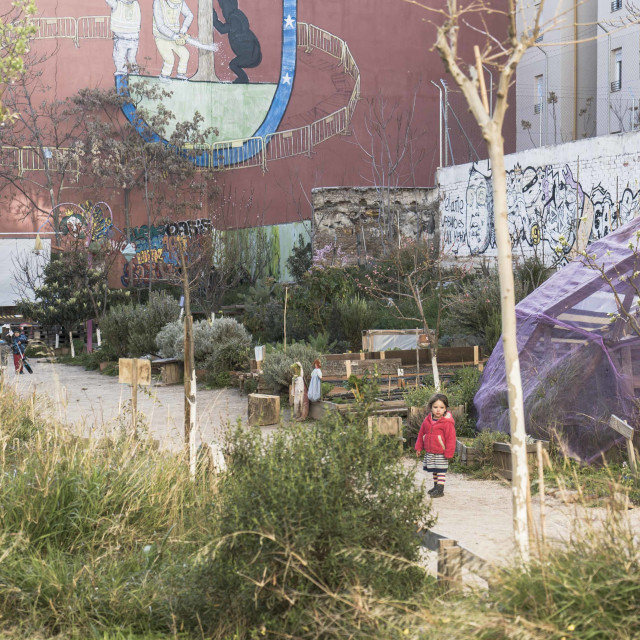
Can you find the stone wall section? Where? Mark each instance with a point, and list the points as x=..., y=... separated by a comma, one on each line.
x=349, y=220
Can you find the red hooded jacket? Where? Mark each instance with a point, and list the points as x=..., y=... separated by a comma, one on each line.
x=438, y=436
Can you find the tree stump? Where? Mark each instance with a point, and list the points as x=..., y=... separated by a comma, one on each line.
x=263, y=409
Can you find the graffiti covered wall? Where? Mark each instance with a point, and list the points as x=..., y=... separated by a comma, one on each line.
x=264, y=250
x=558, y=198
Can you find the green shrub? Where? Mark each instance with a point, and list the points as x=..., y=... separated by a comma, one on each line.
x=419, y=396
x=351, y=318
x=473, y=304
x=219, y=380
x=277, y=364
x=170, y=340
x=589, y=588
x=264, y=310
x=307, y=512
x=250, y=386
x=300, y=260
x=464, y=385
x=116, y=328
x=149, y=320
x=483, y=446
x=221, y=345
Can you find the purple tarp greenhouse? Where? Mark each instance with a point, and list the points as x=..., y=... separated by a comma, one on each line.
x=579, y=353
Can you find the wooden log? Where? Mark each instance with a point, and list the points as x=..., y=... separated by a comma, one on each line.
x=449, y=565
x=263, y=409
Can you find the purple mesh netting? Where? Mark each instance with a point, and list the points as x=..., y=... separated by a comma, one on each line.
x=578, y=366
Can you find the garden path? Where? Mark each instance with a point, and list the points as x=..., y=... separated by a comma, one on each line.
x=476, y=513
x=93, y=402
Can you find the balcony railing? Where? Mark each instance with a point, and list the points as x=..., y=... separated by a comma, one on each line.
x=537, y=107
x=616, y=5
x=616, y=85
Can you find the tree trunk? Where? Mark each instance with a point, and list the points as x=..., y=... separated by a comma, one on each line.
x=520, y=481
x=189, y=373
x=206, y=68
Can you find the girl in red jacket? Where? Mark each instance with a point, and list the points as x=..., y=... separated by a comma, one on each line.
x=437, y=438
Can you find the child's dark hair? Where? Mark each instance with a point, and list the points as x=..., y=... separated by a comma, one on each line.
x=435, y=397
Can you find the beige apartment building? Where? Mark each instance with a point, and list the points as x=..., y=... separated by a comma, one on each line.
x=582, y=79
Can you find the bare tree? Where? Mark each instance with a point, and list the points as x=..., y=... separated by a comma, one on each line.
x=524, y=26
x=122, y=158
x=47, y=131
x=412, y=273
x=388, y=146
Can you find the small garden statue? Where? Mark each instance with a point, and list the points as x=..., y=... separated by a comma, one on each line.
x=315, y=386
x=300, y=398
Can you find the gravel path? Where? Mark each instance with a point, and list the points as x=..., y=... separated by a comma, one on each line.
x=94, y=403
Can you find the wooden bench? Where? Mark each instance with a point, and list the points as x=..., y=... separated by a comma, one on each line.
x=171, y=369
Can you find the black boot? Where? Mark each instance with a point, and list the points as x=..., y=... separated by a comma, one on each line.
x=433, y=489
x=438, y=491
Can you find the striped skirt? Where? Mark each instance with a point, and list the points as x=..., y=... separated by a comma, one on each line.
x=435, y=463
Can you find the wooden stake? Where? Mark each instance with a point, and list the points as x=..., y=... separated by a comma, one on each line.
x=543, y=533
x=134, y=395
x=286, y=293
x=632, y=456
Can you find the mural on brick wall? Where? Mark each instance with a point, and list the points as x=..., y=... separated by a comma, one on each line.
x=550, y=213
x=263, y=250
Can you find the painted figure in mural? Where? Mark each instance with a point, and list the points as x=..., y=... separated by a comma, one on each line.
x=242, y=40
x=563, y=205
x=480, y=231
x=125, y=25
x=170, y=36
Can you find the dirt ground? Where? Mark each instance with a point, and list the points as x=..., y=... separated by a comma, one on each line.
x=476, y=513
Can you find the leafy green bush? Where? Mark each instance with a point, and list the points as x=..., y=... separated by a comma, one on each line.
x=351, y=318
x=170, y=340
x=464, y=385
x=311, y=302
x=300, y=260
x=305, y=513
x=219, y=380
x=419, y=396
x=219, y=346
x=116, y=328
x=149, y=319
x=276, y=367
x=264, y=310
x=483, y=447
x=473, y=306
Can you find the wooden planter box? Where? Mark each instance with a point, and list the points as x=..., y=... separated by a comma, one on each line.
x=502, y=457
x=104, y=365
x=466, y=455
x=61, y=351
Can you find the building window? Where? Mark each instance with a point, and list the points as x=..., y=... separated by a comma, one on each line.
x=616, y=70
x=616, y=5
x=539, y=103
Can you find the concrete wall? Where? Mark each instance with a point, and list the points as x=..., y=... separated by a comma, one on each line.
x=348, y=218
x=592, y=182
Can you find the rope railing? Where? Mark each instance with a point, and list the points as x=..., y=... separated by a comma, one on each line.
x=274, y=146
